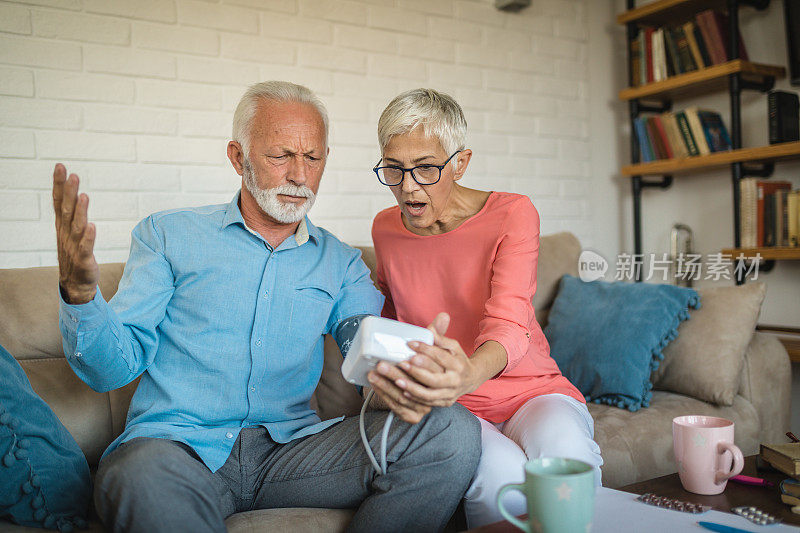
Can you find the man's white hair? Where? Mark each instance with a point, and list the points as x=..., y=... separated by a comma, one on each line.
x=438, y=113
x=278, y=91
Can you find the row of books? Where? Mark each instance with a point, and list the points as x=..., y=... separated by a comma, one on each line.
x=682, y=134
x=658, y=53
x=769, y=213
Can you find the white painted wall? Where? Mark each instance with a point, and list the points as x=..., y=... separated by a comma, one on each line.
x=136, y=96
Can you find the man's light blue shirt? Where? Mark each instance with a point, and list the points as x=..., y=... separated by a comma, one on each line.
x=225, y=332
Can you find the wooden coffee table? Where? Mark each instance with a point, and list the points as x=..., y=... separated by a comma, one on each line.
x=765, y=498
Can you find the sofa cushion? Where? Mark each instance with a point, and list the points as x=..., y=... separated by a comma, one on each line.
x=706, y=359
x=607, y=337
x=29, y=308
x=334, y=396
x=44, y=477
x=638, y=446
x=558, y=255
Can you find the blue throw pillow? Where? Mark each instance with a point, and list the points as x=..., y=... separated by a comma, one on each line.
x=607, y=337
x=44, y=477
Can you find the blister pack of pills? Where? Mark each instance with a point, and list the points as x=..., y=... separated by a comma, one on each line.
x=756, y=516
x=670, y=503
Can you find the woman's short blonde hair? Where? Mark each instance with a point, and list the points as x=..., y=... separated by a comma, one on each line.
x=438, y=113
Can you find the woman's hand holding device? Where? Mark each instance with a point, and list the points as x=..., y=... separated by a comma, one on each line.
x=442, y=372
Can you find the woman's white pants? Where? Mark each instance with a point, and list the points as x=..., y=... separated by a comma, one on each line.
x=552, y=425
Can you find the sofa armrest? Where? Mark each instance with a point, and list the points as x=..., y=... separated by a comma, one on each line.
x=766, y=383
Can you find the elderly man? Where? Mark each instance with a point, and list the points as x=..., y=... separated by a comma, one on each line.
x=222, y=311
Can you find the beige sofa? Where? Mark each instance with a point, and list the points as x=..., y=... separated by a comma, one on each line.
x=635, y=446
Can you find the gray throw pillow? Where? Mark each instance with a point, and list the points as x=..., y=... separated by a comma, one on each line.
x=705, y=361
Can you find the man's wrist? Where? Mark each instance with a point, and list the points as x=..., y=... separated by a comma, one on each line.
x=77, y=297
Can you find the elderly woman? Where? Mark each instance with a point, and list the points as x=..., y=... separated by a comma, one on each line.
x=472, y=255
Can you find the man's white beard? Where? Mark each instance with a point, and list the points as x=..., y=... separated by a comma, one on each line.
x=267, y=199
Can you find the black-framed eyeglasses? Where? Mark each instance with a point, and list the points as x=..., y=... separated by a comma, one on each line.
x=392, y=175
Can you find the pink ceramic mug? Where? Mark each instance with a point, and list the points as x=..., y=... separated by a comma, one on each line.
x=705, y=453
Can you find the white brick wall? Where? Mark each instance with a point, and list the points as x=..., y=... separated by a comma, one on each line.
x=136, y=96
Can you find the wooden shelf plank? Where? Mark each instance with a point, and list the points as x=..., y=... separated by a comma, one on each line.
x=768, y=252
x=703, y=81
x=773, y=152
x=667, y=11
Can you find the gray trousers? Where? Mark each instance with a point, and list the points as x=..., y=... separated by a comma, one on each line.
x=150, y=485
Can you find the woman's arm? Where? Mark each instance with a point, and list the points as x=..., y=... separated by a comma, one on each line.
x=441, y=373
x=504, y=333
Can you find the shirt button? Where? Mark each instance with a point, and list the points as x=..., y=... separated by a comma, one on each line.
x=78, y=354
x=266, y=294
x=258, y=342
x=229, y=435
x=74, y=319
x=252, y=389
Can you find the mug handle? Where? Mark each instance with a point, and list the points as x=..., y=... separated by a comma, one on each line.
x=513, y=519
x=738, y=461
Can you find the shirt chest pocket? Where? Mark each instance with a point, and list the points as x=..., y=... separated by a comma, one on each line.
x=311, y=309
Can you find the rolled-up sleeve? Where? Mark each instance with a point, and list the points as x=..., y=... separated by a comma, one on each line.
x=509, y=309
x=109, y=344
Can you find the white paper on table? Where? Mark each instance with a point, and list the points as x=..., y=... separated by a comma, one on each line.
x=619, y=512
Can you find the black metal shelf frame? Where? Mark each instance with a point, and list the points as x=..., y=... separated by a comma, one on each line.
x=738, y=170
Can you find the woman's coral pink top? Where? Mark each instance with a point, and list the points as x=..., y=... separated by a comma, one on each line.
x=483, y=273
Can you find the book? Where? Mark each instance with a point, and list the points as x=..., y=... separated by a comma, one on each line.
x=659, y=55
x=662, y=136
x=655, y=141
x=645, y=150
x=701, y=45
x=723, y=27
x=748, y=212
x=790, y=500
x=688, y=33
x=765, y=188
x=793, y=223
x=662, y=58
x=686, y=133
x=648, y=40
x=769, y=220
x=674, y=135
x=790, y=487
x=714, y=27
x=713, y=41
x=783, y=457
x=685, y=58
x=783, y=108
x=697, y=130
x=715, y=131
x=636, y=64
x=642, y=58
x=673, y=63
x=780, y=218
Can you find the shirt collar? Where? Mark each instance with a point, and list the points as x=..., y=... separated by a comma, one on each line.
x=305, y=230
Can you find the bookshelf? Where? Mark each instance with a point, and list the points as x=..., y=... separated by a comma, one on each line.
x=773, y=152
x=732, y=76
x=707, y=80
x=666, y=11
x=769, y=253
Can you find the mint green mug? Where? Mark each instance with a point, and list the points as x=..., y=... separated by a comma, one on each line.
x=560, y=495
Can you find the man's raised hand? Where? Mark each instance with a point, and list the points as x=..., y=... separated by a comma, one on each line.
x=77, y=267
